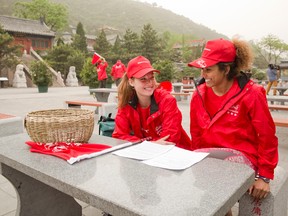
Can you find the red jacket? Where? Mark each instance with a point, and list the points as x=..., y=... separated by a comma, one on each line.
x=244, y=123
x=165, y=118
x=118, y=70
x=101, y=70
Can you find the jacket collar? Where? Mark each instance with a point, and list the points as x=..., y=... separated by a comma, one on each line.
x=153, y=108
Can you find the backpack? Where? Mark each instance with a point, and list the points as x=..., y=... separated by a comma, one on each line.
x=106, y=125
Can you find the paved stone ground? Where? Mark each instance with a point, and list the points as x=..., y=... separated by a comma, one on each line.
x=19, y=102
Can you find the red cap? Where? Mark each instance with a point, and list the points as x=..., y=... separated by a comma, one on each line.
x=139, y=67
x=215, y=51
x=96, y=57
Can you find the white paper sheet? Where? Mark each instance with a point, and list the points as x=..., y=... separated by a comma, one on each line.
x=176, y=159
x=163, y=156
x=144, y=150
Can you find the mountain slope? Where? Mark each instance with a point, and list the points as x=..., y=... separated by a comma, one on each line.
x=124, y=14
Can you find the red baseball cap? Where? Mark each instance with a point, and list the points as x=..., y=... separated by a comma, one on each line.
x=215, y=51
x=139, y=67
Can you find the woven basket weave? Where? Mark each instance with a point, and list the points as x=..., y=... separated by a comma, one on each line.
x=60, y=125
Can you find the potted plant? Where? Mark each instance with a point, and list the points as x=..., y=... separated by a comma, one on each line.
x=41, y=76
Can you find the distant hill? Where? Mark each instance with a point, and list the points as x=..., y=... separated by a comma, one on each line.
x=120, y=15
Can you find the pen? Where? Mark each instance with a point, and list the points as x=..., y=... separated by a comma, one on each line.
x=72, y=160
x=122, y=146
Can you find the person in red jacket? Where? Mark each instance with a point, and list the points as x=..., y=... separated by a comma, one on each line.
x=229, y=115
x=101, y=66
x=117, y=71
x=146, y=112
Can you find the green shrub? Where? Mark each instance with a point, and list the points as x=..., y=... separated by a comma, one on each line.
x=41, y=76
x=88, y=74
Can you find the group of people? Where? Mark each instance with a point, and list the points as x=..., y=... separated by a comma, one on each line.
x=229, y=115
x=117, y=71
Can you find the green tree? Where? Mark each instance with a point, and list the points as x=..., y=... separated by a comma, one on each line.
x=271, y=48
x=79, y=40
x=117, y=50
x=102, y=45
x=166, y=50
x=166, y=69
x=130, y=45
x=150, y=43
x=8, y=53
x=62, y=57
x=258, y=74
x=60, y=41
x=187, y=54
x=117, y=46
x=54, y=15
x=88, y=74
x=76, y=59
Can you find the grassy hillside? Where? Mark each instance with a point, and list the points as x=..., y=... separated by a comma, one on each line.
x=124, y=14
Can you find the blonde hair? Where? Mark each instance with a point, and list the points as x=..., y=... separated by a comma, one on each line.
x=125, y=92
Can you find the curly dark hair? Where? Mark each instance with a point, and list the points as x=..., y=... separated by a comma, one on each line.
x=243, y=61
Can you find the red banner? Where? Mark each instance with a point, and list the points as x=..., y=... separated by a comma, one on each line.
x=96, y=57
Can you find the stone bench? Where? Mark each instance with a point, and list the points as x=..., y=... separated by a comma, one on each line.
x=277, y=107
x=3, y=80
x=10, y=125
x=279, y=98
x=104, y=107
x=280, y=122
x=78, y=103
x=275, y=204
x=178, y=95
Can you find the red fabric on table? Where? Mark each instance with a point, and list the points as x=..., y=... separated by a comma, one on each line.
x=67, y=151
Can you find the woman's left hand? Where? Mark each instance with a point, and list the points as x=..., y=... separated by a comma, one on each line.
x=259, y=189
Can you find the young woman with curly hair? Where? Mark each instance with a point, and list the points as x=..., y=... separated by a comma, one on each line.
x=229, y=115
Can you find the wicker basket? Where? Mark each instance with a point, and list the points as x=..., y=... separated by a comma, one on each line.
x=60, y=125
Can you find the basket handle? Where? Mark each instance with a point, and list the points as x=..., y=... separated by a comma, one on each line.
x=25, y=122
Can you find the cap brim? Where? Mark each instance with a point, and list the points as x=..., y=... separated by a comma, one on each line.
x=144, y=71
x=202, y=63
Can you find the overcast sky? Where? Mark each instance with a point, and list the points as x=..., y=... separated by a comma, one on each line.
x=251, y=19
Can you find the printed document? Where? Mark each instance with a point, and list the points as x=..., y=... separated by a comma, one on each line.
x=163, y=156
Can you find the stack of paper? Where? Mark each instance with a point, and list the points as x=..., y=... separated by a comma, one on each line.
x=164, y=156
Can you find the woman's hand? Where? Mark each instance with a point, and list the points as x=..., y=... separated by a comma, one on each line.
x=163, y=141
x=259, y=189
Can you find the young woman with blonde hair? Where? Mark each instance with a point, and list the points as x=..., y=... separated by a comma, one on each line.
x=145, y=111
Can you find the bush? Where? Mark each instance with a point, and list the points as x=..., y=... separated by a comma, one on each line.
x=41, y=76
x=166, y=69
x=259, y=75
x=88, y=74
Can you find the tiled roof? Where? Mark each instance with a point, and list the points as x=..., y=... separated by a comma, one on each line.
x=34, y=27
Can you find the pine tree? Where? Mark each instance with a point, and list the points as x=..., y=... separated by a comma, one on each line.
x=130, y=45
x=7, y=51
x=150, y=43
x=102, y=45
x=79, y=41
x=116, y=49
